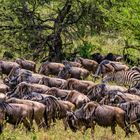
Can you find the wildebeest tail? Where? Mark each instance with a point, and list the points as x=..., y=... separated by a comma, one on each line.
x=46, y=117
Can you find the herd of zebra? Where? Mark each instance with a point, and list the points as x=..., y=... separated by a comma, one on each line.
x=61, y=91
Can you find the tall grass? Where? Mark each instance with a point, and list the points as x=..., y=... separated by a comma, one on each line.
x=57, y=133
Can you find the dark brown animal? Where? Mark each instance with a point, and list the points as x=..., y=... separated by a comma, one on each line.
x=105, y=116
x=107, y=66
x=132, y=109
x=58, y=93
x=88, y=64
x=6, y=66
x=50, y=68
x=26, y=64
x=16, y=114
x=79, y=85
x=77, y=98
x=73, y=64
x=73, y=72
x=39, y=110
x=26, y=77
x=53, y=82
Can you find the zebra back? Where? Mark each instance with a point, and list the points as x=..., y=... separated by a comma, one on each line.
x=129, y=78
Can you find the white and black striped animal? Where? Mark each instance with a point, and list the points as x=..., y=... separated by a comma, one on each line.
x=129, y=78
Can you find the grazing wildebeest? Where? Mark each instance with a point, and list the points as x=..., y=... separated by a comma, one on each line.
x=77, y=98
x=6, y=66
x=132, y=109
x=15, y=71
x=73, y=72
x=73, y=64
x=77, y=121
x=79, y=85
x=115, y=97
x=53, y=82
x=112, y=57
x=58, y=93
x=88, y=64
x=31, y=87
x=39, y=110
x=26, y=64
x=107, y=66
x=50, y=68
x=16, y=114
x=105, y=116
x=26, y=77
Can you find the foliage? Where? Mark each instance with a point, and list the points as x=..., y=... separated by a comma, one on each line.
x=40, y=29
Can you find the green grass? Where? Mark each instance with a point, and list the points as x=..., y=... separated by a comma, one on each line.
x=57, y=133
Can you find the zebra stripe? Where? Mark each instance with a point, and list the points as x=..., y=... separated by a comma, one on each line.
x=129, y=78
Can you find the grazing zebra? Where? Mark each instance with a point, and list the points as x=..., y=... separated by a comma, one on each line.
x=129, y=78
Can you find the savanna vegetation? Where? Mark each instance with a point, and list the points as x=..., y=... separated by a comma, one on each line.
x=54, y=30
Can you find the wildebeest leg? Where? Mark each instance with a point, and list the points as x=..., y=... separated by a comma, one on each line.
x=113, y=128
x=92, y=132
x=123, y=125
x=1, y=129
x=27, y=124
x=40, y=123
x=137, y=126
x=83, y=132
x=65, y=124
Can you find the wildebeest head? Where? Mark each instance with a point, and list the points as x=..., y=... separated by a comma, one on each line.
x=65, y=72
x=71, y=119
x=89, y=110
x=97, y=92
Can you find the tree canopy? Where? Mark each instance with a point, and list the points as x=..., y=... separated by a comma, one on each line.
x=44, y=29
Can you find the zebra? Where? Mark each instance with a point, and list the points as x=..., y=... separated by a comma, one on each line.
x=129, y=78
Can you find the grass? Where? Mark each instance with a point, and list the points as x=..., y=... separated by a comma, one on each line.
x=57, y=133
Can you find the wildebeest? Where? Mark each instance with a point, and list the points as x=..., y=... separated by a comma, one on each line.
x=26, y=77
x=6, y=66
x=88, y=64
x=110, y=56
x=105, y=116
x=15, y=71
x=79, y=85
x=58, y=93
x=33, y=87
x=116, y=97
x=107, y=66
x=53, y=82
x=73, y=72
x=77, y=98
x=26, y=64
x=73, y=64
x=4, y=88
x=39, y=110
x=50, y=68
x=132, y=109
x=16, y=114
x=67, y=107
x=77, y=121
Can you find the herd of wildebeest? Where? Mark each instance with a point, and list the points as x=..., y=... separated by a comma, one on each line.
x=61, y=91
